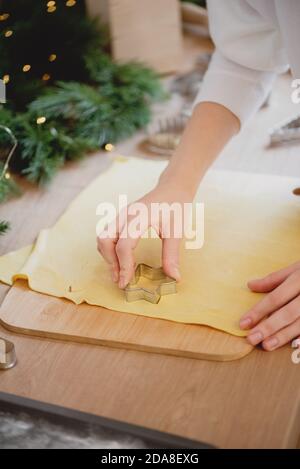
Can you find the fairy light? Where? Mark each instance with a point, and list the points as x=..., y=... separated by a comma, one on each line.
x=52, y=57
x=46, y=77
x=4, y=16
x=71, y=3
x=41, y=120
x=51, y=9
x=51, y=4
x=8, y=33
x=109, y=147
x=6, y=78
x=26, y=68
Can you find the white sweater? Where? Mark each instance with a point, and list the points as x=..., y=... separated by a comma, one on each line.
x=255, y=40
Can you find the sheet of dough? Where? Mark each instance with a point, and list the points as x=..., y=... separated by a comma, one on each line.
x=252, y=227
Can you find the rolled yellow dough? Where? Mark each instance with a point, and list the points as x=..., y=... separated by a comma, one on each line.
x=252, y=227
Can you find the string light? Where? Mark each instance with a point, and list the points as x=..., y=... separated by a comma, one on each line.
x=26, y=68
x=52, y=57
x=51, y=9
x=41, y=120
x=51, y=4
x=109, y=147
x=4, y=16
x=6, y=78
x=46, y=77
x=8, y=33
x=71, y=3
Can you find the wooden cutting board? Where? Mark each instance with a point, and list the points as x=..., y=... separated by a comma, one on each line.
x=28, y=312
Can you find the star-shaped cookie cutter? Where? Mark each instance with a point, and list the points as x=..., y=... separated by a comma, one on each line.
x=167, y=284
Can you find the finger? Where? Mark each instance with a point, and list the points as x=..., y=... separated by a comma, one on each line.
x=170, y=257
x=282, y=337
x=106, y=248
x=107, y=241
x=124, y=251
x=286, y=292
x=274, y=323
x=135, y=223
x=271, y=281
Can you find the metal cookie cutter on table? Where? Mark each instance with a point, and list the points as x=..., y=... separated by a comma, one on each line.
x=8, y=358
x=167, y=285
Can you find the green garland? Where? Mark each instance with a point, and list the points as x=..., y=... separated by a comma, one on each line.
x=74, y=98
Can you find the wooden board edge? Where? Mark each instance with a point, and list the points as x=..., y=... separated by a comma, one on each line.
x=125, y=345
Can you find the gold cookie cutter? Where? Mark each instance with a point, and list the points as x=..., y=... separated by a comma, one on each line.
x=8, y=358
x=167, y=284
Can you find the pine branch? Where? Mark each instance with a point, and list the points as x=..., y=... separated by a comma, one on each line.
x=42, y=149
x=110, y=75
x=201, y=3
x=45, y=148
x=8, y=188
x=4, y=227
x=109, y=112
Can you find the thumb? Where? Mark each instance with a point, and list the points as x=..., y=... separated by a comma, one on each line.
x=170, y=257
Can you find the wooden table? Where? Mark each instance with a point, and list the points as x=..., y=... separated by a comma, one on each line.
x=251, y=403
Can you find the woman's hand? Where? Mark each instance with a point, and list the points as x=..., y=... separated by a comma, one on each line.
x=118, y=249
x=206, y=134
x=275, y=320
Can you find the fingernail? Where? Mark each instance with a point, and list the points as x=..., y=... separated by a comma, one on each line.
x=255, y=338
x=254, y=280
x=296, y=343
x=245, y=323
x=122, y=283
x=271, y=343
x=176, y=274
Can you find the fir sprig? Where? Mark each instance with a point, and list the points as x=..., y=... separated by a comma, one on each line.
x=8, y=187
x=4, y=227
